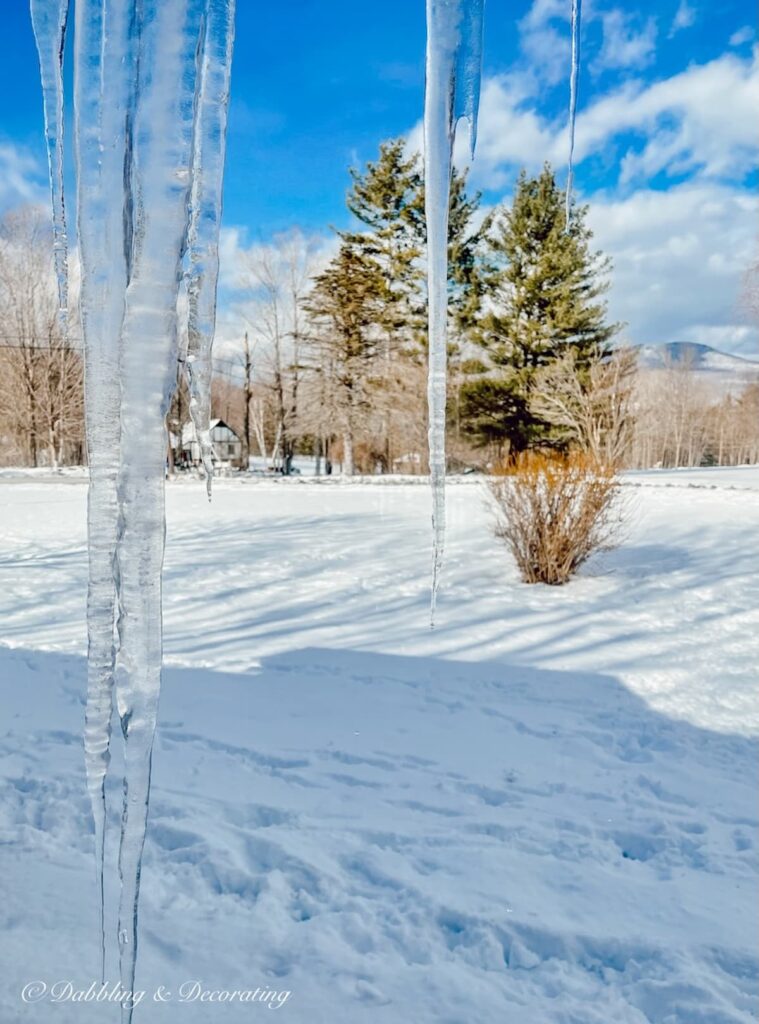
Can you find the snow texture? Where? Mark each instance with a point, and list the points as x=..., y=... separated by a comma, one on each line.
x=453, y=69
x=151, y=88
x=543, y=813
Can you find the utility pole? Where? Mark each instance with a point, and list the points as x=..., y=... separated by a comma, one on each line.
x=248, y=389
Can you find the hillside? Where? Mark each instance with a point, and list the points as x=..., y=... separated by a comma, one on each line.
x=722, y=371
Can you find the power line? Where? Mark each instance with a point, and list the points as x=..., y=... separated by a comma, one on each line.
x=23, y=345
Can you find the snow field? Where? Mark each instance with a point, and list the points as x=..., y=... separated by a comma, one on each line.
x=544, y=811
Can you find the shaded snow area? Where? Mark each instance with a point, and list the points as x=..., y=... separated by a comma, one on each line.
x=542, y=813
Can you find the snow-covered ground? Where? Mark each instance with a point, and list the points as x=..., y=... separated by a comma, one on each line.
x=542, y=813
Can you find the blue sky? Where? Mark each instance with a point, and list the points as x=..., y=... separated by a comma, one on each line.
x=667, y=146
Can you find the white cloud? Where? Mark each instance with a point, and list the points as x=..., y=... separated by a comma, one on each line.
x=236, y=257
x=677, y=125
x=511, y=132
x=21, y=179
x=546, y=49
x=624, y=45
x=231, y=257
x=679, y=260
x=685, y=119
x=743, y=35
x=541, y=12
x=685, y=16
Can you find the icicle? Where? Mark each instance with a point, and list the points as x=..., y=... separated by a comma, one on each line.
x=158, y=196
x=104, y=95
x=454, y=59
x=572, y=105
x=49, y=19
x=209, y=139
x=149, y=158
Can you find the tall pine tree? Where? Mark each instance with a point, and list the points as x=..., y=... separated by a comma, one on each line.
x=547, y=294
x=345, y=305
x=387, y=198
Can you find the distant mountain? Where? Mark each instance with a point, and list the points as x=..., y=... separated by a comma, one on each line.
x=698, y=357
x=726, y=373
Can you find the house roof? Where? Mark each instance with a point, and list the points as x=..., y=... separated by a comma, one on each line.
x=188, y=431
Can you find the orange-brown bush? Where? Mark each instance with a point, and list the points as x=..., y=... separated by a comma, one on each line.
x=553, y=511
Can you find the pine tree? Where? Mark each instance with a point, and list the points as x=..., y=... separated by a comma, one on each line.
x=345, y=305
x=547, y=296
x=388, y=199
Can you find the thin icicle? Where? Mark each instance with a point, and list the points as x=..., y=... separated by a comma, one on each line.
x=49, y=18
x=572, y=105
x=209, y=144
x=454, y=59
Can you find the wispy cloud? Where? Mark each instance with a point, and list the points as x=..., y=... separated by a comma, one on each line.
x=22, y=180
x=685, y=17
x=743, y=35
x=545, y=48
x=675, y=125
x=625, y=43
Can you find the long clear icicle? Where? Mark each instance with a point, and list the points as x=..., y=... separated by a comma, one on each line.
x=168, y=34
x=49, y=18
x=454, y=60
x=573, y=76
x=149, y=155
x=104, y=89
x=201, y=279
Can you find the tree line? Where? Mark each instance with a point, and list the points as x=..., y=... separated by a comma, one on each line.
x=534, y=359
x=41, y=373
x=347, y=341
x=331, y=356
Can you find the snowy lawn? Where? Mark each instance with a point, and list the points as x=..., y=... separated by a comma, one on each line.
x=542, y=813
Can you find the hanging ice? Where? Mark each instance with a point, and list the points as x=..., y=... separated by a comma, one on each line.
x=103, y=30
x=454, y=59
x=49, y=19
x=572, y=104
x=151, y=82
x=201, y=279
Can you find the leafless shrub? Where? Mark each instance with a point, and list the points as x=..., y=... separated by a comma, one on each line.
x=553, y=511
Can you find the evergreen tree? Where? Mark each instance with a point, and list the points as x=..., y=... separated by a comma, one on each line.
x=547, y=296
x=345, y=304
x=388, y=199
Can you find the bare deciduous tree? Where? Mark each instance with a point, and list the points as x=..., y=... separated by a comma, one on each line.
x=671, y=411
x=278, y=276
x=41, y=386
x=590, y=404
